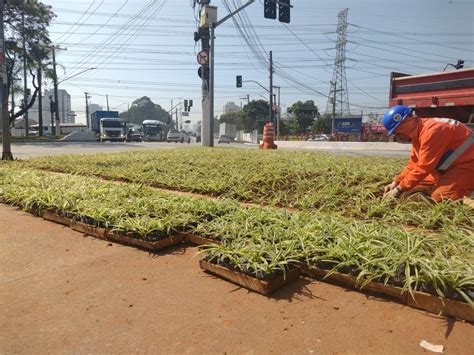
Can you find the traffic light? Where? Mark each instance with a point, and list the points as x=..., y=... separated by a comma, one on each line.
x=185, y=105
x=238, y=80
x=52, y=106
x=270, y=9
x=205, y=69
x=460, y=64
x=284, y=11
x=190, y=104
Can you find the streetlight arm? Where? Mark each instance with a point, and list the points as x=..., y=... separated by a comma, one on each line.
x=73, y=76
x=253, y=81
x=179, y=103
x=250, y=2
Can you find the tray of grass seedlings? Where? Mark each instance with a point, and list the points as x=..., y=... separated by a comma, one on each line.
x=350, y=186
x=407, y=264
x=127, y=213
x=428, y=268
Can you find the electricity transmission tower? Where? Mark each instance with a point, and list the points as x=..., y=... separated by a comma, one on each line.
x=339, y=96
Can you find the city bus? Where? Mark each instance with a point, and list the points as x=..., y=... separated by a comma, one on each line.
x=154, y=131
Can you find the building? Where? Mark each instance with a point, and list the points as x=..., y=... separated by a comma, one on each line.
x=231, y=107
x=95, y=107
x=66, y=115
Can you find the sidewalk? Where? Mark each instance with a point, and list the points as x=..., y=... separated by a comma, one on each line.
x=62, y=292
x=373, y=146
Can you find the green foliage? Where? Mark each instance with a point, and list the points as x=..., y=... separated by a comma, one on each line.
x=349, y=186
x=144, y=109
x=323, y=124
x=255, y=115
x=305, y=113
x=238, y=118
x=34, y=30
x=289, y=126
x=417, y=245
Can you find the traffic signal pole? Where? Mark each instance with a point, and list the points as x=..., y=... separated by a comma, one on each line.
x=270, y=118
x=207, y=139
x=208, y=45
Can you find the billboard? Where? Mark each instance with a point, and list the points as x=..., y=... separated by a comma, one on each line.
x=350, y=125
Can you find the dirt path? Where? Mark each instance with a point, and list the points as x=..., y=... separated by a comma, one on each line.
x=61, y=292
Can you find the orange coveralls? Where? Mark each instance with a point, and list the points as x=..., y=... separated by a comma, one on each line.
x=435, y=137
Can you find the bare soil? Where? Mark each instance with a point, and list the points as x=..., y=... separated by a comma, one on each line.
x=61, y=292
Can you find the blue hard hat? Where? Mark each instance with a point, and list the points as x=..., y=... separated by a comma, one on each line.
x=394, y=117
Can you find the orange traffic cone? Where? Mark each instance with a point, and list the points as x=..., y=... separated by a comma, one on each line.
x=268, y=136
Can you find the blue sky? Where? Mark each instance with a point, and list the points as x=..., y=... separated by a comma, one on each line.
x=147, y=48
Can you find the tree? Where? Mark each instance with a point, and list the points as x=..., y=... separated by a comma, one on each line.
x=144, y=109
x=26, y=21
x=255, y=115
x=289, y=126
x=305, y=113
x=323, y=124
x=237, y=118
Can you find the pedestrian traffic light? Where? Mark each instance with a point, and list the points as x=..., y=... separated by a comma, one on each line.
x=270, y=10
x=460, y=64
x=284, y=11
x=238, y=80
x=185, y=105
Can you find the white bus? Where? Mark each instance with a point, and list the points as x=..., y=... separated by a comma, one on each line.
x=154, y=131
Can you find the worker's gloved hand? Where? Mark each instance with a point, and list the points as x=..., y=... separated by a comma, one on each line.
x=393, y=194
x=389, y=188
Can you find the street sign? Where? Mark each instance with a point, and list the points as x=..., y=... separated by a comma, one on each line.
x=203, y=57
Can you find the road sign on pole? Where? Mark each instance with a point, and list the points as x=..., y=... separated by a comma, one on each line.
x=203, y=57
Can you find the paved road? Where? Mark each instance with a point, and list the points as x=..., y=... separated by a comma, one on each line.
x=23, y=150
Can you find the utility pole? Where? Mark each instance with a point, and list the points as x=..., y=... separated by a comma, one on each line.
x=87, y=110
x=177, y=122
x=207, y=139
x=25, y=79
x=51, y=111
x=209, y=23
x=278, y=118
x=270, y=118
x=6, y=146
x=40, y=101
x=57, y=130
x=107, y=97
x=171, y=110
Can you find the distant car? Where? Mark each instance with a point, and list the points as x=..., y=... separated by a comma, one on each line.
x=224, y=139
x=320, y=138
x=186, y=137
x=176, y=136
x=134, y=135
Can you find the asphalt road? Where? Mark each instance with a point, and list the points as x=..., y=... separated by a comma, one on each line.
x=24, y=150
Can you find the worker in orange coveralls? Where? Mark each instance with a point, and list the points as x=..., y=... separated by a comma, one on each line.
x=442, y=156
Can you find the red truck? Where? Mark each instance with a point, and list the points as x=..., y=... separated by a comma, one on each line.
x=444, y=94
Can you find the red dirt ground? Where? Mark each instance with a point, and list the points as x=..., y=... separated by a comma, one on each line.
x=62, y=292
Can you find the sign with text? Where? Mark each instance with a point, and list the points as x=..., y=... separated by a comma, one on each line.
x=351, y=125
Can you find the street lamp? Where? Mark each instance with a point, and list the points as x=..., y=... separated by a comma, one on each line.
x=73, y=76
x=458, y=65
